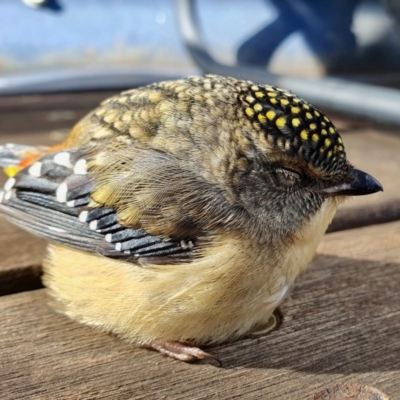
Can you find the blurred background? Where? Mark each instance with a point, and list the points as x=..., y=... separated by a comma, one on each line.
x=341, y=55
x=60, y=39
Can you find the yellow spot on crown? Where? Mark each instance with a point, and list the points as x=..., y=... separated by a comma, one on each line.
x=259, y=95
x=304, y=135
x=313, y=127
x=315, y=137
x=280, y=122
x=295, y=122
x=327, y=142
x=250, y=99
x=261, y=118
x=324, y=131
x=326, y=118
x=295, y=110
x=309, y=115
x=254, y=87
x=249, y=111
x=306, y=106
x=284, y=102
x=270, y=115
x=340, y=148
x=331, y=129
x=271, y=94
x=316, y=113
x=323, y=123
x=273, y=101
x=296, y=100
x=340, y=140
x=257, y=107
x=329, y=154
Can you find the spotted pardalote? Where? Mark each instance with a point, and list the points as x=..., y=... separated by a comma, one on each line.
x=180, y=214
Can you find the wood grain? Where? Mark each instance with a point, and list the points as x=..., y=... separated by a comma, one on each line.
x=341, y=325
x=46, y=112
x=377, y=153
x=21, y=259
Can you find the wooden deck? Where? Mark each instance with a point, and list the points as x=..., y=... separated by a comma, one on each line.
x=341, y=322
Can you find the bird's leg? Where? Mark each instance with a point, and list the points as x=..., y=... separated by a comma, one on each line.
x=183, y=351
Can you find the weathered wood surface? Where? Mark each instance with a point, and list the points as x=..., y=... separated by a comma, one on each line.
x=21, y=257
x=378, y=153
x=341, y=324
x=46, y=112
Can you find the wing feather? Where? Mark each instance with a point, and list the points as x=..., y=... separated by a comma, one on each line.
x=53, y=199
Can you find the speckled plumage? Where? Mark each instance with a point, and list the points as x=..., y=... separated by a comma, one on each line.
x=224, y=189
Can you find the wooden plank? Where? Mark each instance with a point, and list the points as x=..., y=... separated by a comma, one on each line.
x=21, y=259
x=45, y=112
x=341, y=325
x=378, y=153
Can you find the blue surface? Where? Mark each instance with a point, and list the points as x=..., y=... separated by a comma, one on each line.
x=107, y=32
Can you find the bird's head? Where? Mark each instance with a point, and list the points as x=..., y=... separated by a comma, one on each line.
x=295, y=160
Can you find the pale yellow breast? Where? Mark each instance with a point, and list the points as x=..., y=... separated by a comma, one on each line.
x=222, y=295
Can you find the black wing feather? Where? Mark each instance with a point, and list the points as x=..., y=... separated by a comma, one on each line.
x=52, y=200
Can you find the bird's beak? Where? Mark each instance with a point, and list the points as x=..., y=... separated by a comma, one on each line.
x=355, y=183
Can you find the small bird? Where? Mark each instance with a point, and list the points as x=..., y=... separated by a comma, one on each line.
x=180, y=214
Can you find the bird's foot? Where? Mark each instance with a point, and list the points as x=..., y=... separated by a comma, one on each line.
x=183, y=351
x=273, y=323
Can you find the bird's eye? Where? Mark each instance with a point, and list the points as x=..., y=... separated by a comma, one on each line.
x=287, y=177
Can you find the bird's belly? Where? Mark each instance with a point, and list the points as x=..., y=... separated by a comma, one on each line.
x=222, y=295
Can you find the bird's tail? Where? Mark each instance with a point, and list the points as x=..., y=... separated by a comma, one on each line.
x=14, y=157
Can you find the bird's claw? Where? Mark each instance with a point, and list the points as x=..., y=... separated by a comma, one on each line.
x=183, y=351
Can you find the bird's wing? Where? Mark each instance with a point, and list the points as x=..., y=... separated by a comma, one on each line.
x=116, y=210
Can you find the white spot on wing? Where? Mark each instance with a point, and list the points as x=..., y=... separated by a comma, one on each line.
x=35, y=169
x=93, y=225
x=108, y=237
x=71, y=203
x=187, y=245
x=9, y=184
x=80, y=167
x=118, y=246
x=83, y=216
x=54, y=229
x=7, y=195
x=61, y=192
x=63, y=159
